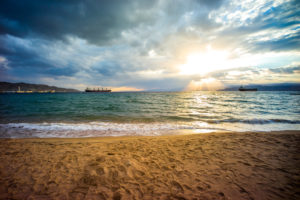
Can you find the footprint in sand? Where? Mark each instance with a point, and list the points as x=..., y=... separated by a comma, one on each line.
x=100, y=171
x=78, y=193
x=203, y=186
x=100, y=159
x=176, y=187
x=117, y=196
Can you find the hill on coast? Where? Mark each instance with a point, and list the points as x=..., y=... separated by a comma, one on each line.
x=268, y=87
x=6, y=86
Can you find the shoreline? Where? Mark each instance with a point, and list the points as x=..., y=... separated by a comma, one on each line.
x=107, y=129
x=169, y=133
x=222, y=165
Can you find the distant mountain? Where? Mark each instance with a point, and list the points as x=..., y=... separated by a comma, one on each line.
x=267, y=87
x=5, y=86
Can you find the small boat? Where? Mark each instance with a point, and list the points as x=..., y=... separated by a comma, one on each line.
x=97, y=90
x=242, y=89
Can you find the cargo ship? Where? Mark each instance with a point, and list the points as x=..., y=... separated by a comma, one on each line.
x=242, y=89
x=97, y=90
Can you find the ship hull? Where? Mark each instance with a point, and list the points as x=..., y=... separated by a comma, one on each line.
x=98, y=91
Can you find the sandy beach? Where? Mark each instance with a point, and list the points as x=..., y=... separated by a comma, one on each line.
x=203, y=166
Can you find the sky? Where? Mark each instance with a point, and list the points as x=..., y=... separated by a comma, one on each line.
x=142, y=45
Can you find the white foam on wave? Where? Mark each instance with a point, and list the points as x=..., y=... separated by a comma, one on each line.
x=255, y=121
x=99, y=129
x=93, y=129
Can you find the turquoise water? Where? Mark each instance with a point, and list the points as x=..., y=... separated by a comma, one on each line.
x=102, y=114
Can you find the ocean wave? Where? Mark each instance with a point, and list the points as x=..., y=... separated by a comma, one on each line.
x=100, y=129
x=256, y=121
x=95, y=129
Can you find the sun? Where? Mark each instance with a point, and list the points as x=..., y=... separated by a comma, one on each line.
x=204, y=62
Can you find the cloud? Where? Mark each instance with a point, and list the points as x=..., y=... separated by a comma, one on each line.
x=95, y=21
x=107, y=68
x=290, y=69
x=263, y=25
x=29, y=58
x=247, y=75
x=282, y=44
x=140, y=44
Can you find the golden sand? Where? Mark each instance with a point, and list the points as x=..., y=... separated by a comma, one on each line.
x=204, y=166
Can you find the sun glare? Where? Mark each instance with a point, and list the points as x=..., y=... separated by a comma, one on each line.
x=207, y=84
x=205, y=62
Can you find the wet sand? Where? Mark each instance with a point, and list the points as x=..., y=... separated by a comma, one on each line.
x=204, y=166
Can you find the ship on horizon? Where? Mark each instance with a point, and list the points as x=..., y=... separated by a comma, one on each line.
x=242, y=89
x=97, y=90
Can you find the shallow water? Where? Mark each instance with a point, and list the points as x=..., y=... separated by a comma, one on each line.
x=115, y=114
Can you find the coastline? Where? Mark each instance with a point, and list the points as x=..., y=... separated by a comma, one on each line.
x=231, y=165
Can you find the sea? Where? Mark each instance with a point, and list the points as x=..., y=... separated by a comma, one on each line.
x=75, y=115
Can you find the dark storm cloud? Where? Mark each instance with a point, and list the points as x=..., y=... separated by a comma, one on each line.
x=26, y=58
x=96, y=21
x=108, y=68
